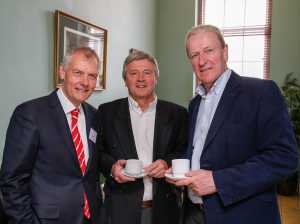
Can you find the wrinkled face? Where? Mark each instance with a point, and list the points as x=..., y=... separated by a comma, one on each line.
x=79, y=77
x=141, y=79
x=207, y=57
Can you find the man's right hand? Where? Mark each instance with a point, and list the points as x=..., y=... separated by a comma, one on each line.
x=117, y=172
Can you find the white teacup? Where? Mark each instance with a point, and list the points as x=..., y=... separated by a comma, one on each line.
x=134, y=166
x=180, y=167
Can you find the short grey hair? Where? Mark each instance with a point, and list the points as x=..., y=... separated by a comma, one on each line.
x=204, y=28
x=136, y=55
x=88, y=52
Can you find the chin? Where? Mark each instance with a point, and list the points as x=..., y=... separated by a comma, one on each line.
x=81, y=98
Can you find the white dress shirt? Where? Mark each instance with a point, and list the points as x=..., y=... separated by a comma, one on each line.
x=207, y=109
x=68, y=107
x=142, y=123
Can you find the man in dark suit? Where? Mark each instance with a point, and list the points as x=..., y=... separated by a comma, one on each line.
x=145, y=128
x=241, y=142
x=3, y=218
x=42, y=180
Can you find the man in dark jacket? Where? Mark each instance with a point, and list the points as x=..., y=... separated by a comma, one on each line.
x=145, y=128
x=241, y=142
x=49, y=171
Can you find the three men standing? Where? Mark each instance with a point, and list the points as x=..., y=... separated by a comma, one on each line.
x=240, y=144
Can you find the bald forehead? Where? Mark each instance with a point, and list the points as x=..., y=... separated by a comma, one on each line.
x=81, y=54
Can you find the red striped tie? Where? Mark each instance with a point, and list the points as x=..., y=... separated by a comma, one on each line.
x=80, y=154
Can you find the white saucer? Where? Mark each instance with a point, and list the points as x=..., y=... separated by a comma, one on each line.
x=134, y=175
x=172, y=177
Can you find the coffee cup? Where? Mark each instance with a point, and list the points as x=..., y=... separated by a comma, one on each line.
x=180, y=167
x=134, y=166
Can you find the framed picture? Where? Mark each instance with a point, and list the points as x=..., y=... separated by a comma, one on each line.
x=72, y=32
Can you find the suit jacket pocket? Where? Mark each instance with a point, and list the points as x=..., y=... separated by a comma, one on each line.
x=46, y=211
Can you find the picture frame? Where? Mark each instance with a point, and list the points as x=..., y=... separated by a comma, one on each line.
x=72, y=32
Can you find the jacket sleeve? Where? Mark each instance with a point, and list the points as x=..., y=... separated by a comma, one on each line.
x=106, y=161
x=276, y=154
x=18, y=160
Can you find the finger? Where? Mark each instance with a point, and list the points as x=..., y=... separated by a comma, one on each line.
x=184, y=182
x=189, y=174
x=124, y=178
x=150, y=167
x=116, y=171
x=122, y=162
x=147, y=168
x=168, y=170
x=193, y=173
x=150, y=170
x=196, y=172
x=171, y=181
x=119, y=180
x=163, y=163
x=159, y=174
x=157, y=163
x=158, y=171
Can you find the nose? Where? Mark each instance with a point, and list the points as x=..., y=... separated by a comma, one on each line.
x=141, y=76
x=202, y=60
x=85, y=80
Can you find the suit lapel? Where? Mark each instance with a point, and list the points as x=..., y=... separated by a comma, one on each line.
x=124, y=131
x=162, y=132
x=88, y=122
x=224, y=107
x=62, y=126
x=194, y=108
x=161, y=129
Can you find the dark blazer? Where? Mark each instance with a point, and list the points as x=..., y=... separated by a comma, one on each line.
x=3, y=217
x=116, y=141
x=250, y=146
x=41, y=179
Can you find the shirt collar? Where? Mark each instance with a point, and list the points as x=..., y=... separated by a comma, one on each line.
x=67, y=105
x=218, y=85
x=135, y=106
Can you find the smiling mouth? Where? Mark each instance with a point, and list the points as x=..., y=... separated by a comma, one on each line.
x=204, y=69
x=82, y=90
x=140, y=86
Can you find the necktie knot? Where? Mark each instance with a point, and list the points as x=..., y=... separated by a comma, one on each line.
x=74, y=113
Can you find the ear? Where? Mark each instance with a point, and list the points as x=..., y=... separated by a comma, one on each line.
x=125, y=80
x=156, y=79
x=61, y=72
x=225, y=53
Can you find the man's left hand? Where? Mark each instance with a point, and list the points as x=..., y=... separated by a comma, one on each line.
x=157, y=169
x=200, y=181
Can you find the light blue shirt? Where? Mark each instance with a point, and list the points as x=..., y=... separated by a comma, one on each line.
x=207, y=109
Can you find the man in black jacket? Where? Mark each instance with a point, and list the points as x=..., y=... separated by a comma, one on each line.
x=145, y=128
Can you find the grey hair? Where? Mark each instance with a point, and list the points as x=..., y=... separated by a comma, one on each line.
x=88, y=52
x=135, y=55
x=204, y=28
